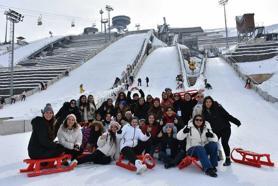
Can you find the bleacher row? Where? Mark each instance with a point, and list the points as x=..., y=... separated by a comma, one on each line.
x=50, y=63
x=254, y=51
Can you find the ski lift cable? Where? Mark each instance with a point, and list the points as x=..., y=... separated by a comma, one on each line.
x=43, y=13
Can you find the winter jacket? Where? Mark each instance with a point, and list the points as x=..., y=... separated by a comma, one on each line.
x=169, y=119
x=106, y=146
x=196, y=137
x=105, y=108
x=41, y=141
x=165, y=103
x=156, y=128
x=69, y=137
x=131, y=135
x=187, y=109
x=141, y=111
x=91, y=109
x=219, y=118
x=132, y=103
x=64, y=111
x=169, y=143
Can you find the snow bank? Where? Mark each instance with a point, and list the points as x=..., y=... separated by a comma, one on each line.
x=271, y=85
x=268, y=66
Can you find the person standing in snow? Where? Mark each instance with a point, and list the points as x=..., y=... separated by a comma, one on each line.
x=41, y=144
x=147, y=81
x=139, y=82
x=70, y=136
x=23, y=96
x=130, y=135
x=201, y=143
x=81, y=89
x=219, y=120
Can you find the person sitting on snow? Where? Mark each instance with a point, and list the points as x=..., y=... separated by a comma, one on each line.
x=201, y=143
x=130, y=135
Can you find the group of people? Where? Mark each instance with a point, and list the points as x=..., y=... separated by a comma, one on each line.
x=139, y=82
x=172, y=127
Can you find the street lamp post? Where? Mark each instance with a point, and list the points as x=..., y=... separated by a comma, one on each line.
x=13, y=17
x=104, y=22
x=223, y=3
x=109, y=9
x=6, y=30
x=101, y=12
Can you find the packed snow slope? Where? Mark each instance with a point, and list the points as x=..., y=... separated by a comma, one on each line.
x=27, y=50
x=258, y=133
x=162, y=67
x=96, y=75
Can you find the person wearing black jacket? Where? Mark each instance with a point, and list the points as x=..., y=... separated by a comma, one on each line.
x=135, y=98
x=187, y=107
x=141, y=109
x=219, y=120
x=41, y=144
x=65, y=110
x=107, y=107
x=169, y=146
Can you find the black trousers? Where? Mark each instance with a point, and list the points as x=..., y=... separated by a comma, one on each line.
x=74, y=154
x=47, y=153
x=224, y=135
x=97, y=157
x=130, y=153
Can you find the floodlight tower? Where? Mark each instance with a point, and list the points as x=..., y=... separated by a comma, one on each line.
x=223, y=3
x=109, y=9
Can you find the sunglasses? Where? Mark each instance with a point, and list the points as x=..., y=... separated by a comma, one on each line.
x=199, y=120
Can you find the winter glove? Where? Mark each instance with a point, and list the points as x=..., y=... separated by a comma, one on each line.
x=209, y=134
x=238, y=123
x=76, y=147
x=186, y=130
x=119, y=131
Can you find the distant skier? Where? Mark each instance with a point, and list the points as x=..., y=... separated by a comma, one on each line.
x=207, y=85
x=139, y=82
x=147, y=81
x=131, y=79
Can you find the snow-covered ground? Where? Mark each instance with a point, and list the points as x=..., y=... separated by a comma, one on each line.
x=25, y=51
x=267, y=66
x=96, y=75
x=271, y=85
x=258, y=133
x=162, y=67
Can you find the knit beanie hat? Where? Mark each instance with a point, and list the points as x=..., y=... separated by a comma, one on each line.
x=114, y=123
x=47, y=108
x=71, y=115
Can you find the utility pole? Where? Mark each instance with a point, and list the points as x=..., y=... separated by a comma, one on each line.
x=13, y=17
x=101, y=12
x=6, y=30
x=109, y=9
x=223, y=3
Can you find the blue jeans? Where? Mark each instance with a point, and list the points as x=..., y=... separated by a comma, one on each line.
x=202, y=154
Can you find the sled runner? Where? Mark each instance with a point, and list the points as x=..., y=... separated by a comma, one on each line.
x=188, y=160
x=251, y=158
x=145, y=158
x=53, y=165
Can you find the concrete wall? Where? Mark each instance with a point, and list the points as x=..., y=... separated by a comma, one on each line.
x=14, y=126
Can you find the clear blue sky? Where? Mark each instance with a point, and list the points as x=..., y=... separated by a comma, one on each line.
x=149, y=13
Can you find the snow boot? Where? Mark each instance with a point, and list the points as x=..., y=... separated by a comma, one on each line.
x=140, y=168
x=227, y=162
x=210, y=172
x=73, y=163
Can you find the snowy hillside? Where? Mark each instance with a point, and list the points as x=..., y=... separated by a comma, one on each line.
x=25, y=51
x=258, y=133
x=96, y=75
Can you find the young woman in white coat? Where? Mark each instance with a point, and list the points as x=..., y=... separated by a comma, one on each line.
x=70, y=136
x=107, y=145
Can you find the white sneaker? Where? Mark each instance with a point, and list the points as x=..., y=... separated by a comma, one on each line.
x=74, y=163
x=140, y=168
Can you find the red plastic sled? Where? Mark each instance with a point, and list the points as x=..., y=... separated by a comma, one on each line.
x=251, y=158
x=54, y=166
x=188, y=160
x=146, y=159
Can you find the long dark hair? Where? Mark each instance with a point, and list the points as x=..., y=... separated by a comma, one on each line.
x=112, y=136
